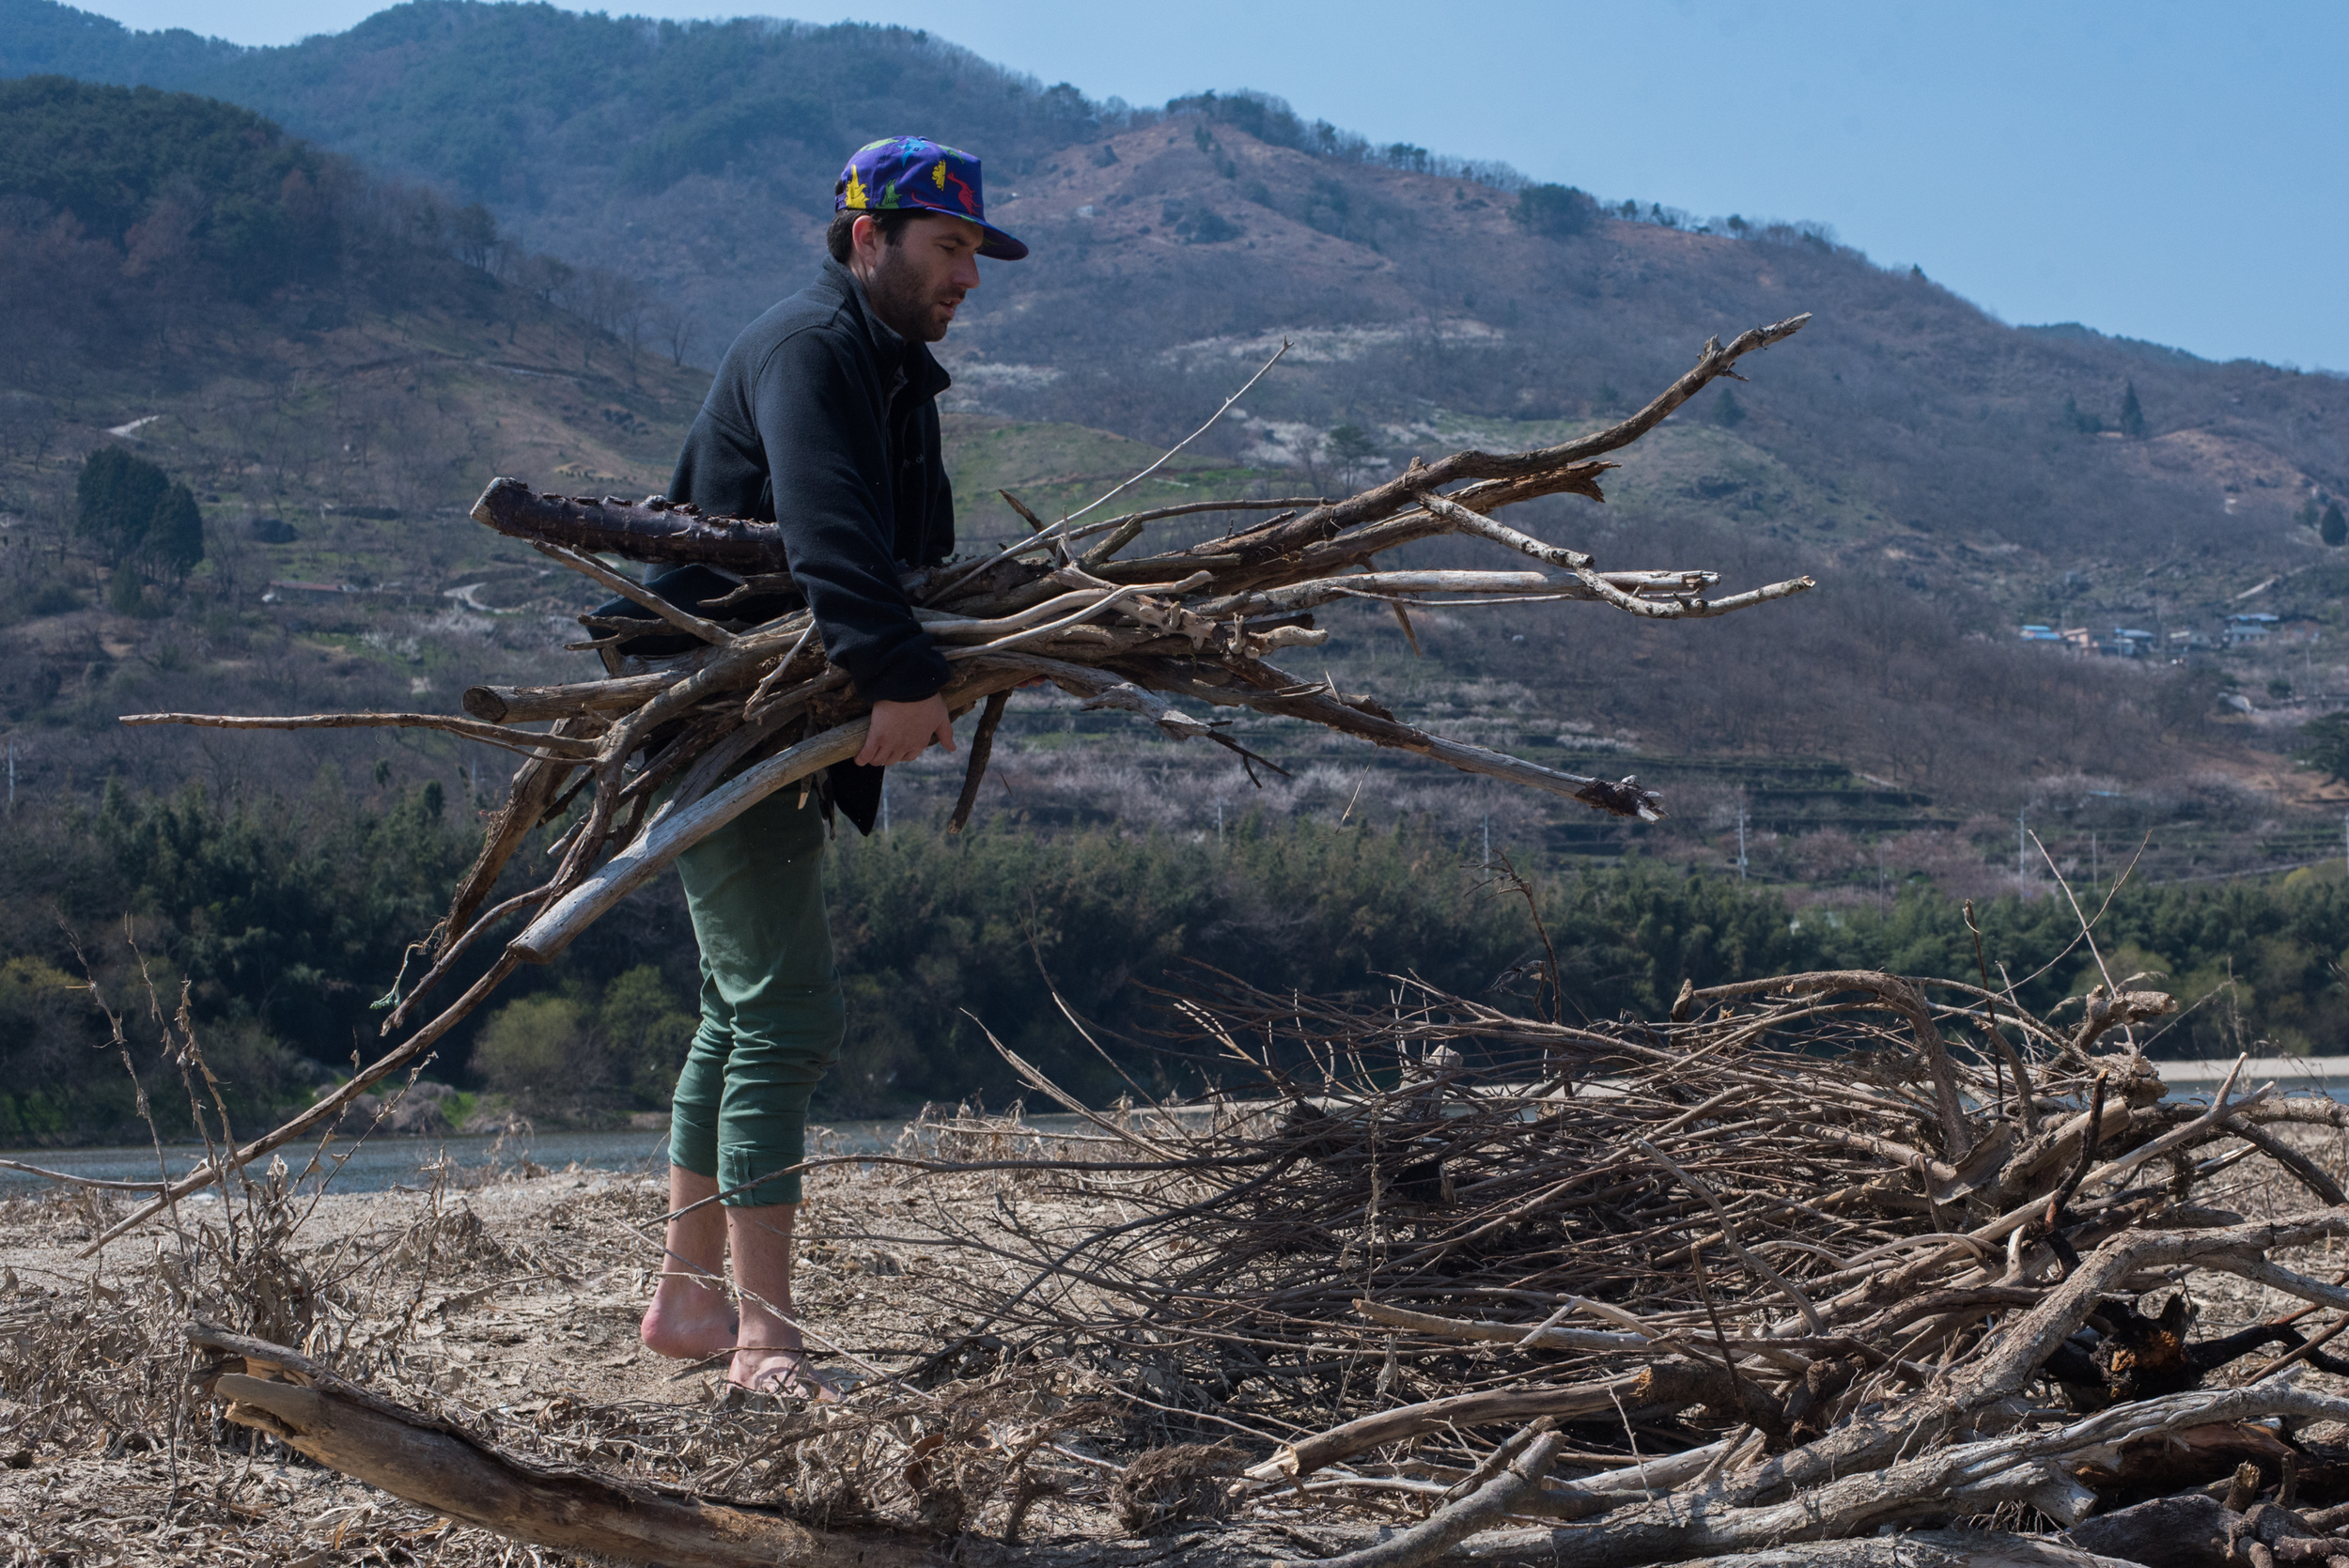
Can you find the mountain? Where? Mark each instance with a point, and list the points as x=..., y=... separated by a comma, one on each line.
x=1946, y=475
x=324, y=361
x=700, y=157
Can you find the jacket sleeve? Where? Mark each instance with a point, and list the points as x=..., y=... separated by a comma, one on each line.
x=821, y=427
x=940, y=537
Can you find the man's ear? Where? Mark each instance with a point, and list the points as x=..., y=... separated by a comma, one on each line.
x=863, y=232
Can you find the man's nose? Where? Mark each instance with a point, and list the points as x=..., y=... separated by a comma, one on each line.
x=966, y=273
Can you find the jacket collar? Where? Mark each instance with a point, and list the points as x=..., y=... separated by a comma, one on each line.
x=895, y=355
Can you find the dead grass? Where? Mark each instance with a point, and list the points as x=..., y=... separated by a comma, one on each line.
x=511, y=1307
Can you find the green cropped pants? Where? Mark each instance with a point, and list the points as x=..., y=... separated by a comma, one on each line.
x=772, y=1012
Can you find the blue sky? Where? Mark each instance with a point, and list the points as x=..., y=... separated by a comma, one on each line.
x=2166, y=171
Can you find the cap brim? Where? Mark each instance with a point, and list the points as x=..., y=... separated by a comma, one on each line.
x=1002, y=246
x=997, y=246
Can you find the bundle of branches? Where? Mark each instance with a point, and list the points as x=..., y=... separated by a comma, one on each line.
x=1813, y=1255
x=653, y=751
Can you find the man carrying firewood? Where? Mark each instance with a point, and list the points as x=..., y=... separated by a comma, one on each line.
x=823, y=418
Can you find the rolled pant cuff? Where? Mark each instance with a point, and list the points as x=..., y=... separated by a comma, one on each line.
x=742, y=1168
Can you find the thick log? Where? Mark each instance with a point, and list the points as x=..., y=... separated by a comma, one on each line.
x=1929, y=1549
x=1439, y=1531
x=437, y=1465
x=2012, y=1355
x=640, y=532
x=533, y=786
x=2193, y=1456
x=1964, y=1478
x=524, y=705
x=2192, y=1531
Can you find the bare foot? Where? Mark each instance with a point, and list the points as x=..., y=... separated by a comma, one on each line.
x=689, y=1321
x=767, y=1370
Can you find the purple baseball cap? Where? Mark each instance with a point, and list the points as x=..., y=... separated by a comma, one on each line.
x=900, y=172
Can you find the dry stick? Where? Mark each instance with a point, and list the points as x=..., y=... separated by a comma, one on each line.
x=1119, y=537
x=2311, y=1176
x=2303, y=1350
x=975, y=772
x=1898, y=994
x=2110, y=893
x=1965, y=1478
x=2014, y=1354
x=1035, y=524
x=1497, y=1461
x=1522, y=587
x=456, y=949
x=526, y=808
x=1107, y=601
x=2023, y=1090
x=528, y=741
x=1466, y=521
x=83, y=1181
x=1440, y=1530
x=327, y=1108
x=1308, y=1454
x=2086, y=935
x=2200, y=1126
x=1299, y=700
x=758, y=693
x=1786, y=1287
x=1382, y=502
x=709, y=631
x=1059, y=531
x=1158, y=513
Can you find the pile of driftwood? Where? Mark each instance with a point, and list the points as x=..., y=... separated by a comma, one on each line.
x=650, y=754
x=1813, y=1256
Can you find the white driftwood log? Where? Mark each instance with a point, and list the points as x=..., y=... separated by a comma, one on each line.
x=433, y=1464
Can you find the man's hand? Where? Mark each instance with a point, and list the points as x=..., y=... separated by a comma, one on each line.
x=902, y=730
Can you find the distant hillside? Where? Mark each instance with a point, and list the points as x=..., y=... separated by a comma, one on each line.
x=1946, y=475
x=327, y=360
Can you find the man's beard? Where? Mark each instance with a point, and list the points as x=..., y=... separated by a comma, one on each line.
x=900, y=299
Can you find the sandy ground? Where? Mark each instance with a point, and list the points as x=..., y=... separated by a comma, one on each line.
x=511, y=1306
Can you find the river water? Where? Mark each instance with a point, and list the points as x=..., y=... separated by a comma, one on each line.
x=384, y=1163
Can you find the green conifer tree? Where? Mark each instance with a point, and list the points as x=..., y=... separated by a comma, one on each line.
x=2334, y=529
x=115, y=500
x=126, y=591
x=174, y=536
x=2325, y=746
x=2132, y=415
